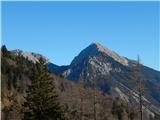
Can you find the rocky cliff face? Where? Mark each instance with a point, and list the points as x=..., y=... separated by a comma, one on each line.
x=95, y=56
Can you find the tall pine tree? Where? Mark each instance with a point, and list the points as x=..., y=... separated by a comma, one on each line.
x=41, y=101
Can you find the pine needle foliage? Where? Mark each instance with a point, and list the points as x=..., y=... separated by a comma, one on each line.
x=42, y=99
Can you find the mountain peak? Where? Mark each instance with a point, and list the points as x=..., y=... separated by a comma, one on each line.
x=100, y=47
x=95, y=48
x=109, y=52
x=96, y=43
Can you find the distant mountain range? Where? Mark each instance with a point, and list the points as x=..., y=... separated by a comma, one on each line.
x=113, y=73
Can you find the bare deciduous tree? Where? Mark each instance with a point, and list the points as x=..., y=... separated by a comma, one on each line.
x=139, y=87
x=94, y=96
x=82, y=95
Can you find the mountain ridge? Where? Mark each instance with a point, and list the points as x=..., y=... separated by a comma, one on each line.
x=31, y=56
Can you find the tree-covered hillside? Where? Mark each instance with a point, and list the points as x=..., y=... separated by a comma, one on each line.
x=30, y=92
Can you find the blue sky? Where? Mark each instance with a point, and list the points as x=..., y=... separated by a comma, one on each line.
x=60, y=30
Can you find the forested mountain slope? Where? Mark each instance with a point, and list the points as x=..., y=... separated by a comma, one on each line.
x=75, y=100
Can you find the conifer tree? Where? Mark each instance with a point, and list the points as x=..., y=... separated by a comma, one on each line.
x=42, y=99
x=4, y=49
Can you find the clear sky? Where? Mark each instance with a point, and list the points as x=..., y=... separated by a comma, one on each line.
x=60, y=30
